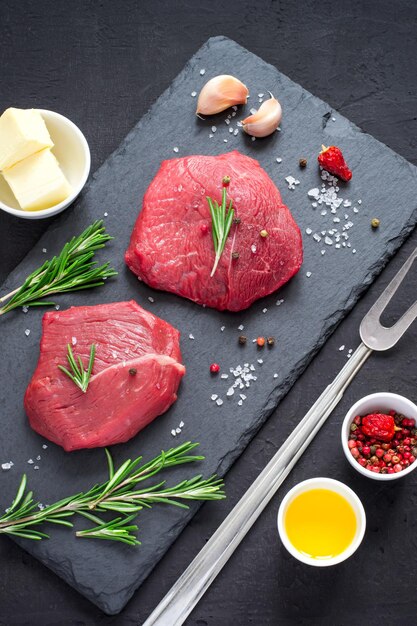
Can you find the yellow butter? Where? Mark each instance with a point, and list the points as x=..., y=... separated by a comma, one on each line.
x=22, y=133
x=38, y=182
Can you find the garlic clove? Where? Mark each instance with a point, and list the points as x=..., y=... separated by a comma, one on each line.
x=220, y=93
x=265, y=120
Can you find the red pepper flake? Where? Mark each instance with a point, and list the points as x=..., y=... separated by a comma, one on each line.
x=332, y=160
x=214, y=368
x=379, y=426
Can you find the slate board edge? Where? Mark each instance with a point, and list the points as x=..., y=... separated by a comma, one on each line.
x=270, y=404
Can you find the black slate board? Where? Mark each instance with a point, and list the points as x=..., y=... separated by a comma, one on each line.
x=386, y=184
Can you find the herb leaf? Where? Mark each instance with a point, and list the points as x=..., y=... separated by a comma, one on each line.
x=71, y=270
x=221, y=220
x=79, y=376
x=119, y=494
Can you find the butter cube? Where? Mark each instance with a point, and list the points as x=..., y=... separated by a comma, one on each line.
x=38, y=182
x=22, y=133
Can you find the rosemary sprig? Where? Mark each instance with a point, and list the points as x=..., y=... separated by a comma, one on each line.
x=71, y=270
x=79, y=375
x=119, y=494
x=221, y=219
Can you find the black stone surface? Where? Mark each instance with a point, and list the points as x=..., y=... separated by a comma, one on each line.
x=298, y=602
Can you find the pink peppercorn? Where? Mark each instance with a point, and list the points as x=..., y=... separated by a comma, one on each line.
x=214, y=368
x=390, y=470
x=352, y=444
x=397, y=468
x=379, y=453
x=366, y=450
x=355, y=453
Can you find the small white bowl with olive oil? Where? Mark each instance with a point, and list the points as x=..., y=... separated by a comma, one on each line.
x=321, y=522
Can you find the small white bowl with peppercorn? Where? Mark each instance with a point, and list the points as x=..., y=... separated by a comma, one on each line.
x=379, y=436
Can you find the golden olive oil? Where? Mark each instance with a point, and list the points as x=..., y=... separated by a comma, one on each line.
x=320, y=523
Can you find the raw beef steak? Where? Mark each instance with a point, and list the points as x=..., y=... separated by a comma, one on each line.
x=171, y=246
x=136, y=374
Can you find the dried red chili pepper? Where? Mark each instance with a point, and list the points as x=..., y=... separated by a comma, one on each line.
x=379, y=426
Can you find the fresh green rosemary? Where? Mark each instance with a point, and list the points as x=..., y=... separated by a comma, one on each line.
x=79, y=375
x=118, y=495
x=71, y=270
x=221, y=219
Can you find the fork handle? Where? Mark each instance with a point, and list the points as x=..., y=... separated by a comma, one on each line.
x=192, y=584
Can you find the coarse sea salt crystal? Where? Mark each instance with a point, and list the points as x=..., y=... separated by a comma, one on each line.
x=173, y=432
x=292, y=182
x=193, y=94
x=253, y=248
x=25, y=309
x=30, y=461
x=353, y=251
x=74, y=341
x=240, y=327
x=176, y=149
x=275, y=375
x=230, y=392
x=151, y=299
x=236, y=131
x=202, y=72
x=313, y=193
x=57, y=307
x=44, y=250
x=260, y=361
x=222, y=328
x=181, y=424
x=264, y=310
x=279, y=302
x=225, y=140
x=219, y=401
x=105, y=214
x=5, y=466
x=242, y=395
x=224, y=376
x=214, y=396
x=328, y=241
x=38, y=458
x=322, y=252
x=308, y=274
x=342, y=348
x=279, y=160
x=36, y=467
x=308, y=231
x=27, y=332
x=191, y=336
x=178, y=430
x=226, y=121
x=44, y=446
x=316, y=237
x=213, y=129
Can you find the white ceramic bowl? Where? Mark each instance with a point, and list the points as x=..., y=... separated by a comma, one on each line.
x=73, y=154
x=345, y=492
x=381, y=402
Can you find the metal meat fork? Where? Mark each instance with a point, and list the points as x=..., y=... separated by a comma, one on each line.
x=184, y=595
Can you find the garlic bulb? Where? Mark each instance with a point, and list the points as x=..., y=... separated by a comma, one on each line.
x=220, y=93
x=265, y=120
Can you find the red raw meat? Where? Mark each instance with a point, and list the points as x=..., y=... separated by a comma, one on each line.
x=171, y=246
x=118, y=402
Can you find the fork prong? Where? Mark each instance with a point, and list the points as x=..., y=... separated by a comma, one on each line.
x=373, y=333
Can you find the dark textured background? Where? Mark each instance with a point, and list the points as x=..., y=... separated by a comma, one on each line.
x=97, y=62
